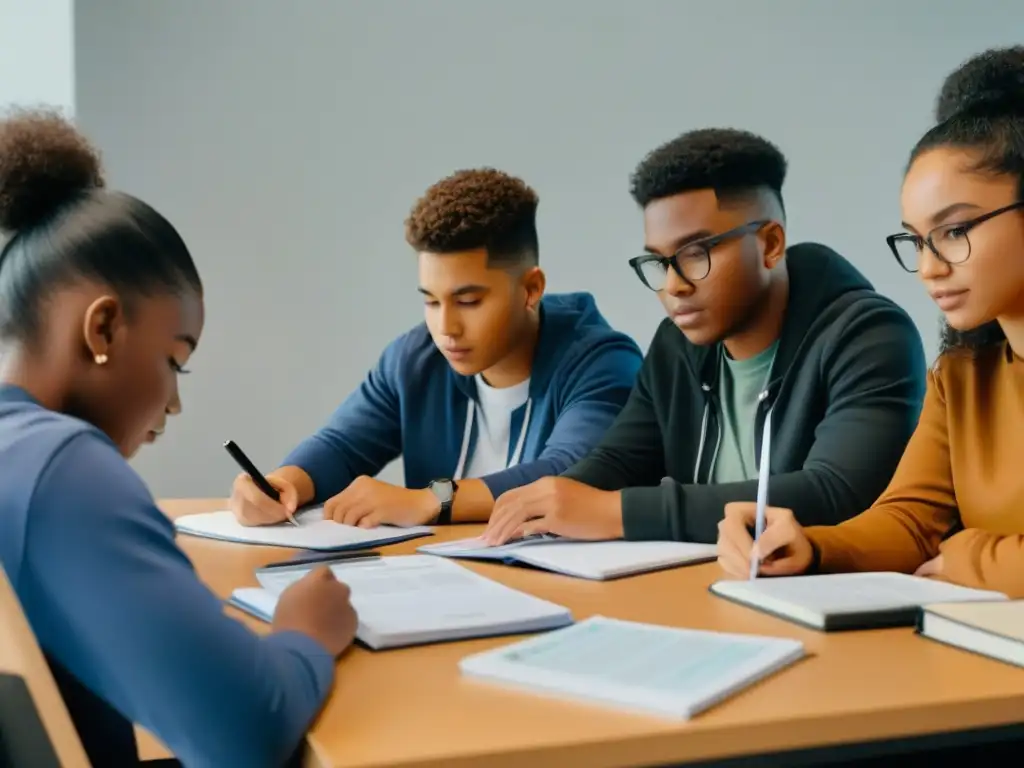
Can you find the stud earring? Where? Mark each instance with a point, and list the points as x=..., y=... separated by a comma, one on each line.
x=100, y=359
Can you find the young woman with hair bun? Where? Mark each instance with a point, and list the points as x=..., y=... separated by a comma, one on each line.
x=101, y=307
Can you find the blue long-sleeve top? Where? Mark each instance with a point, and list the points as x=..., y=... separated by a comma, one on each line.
x=131, y=633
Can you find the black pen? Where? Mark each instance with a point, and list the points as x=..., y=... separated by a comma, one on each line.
x=324, y=557
x=257, y=477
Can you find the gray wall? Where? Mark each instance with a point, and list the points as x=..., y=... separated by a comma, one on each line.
x=37, y=53
x=288, y=140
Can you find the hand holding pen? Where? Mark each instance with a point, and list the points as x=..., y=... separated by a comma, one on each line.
x=257, y=500
x=778, y=547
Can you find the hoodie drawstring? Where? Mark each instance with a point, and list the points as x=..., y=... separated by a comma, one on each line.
x=467, y=433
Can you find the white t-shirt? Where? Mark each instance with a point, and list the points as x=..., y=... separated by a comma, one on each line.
x=493, y=416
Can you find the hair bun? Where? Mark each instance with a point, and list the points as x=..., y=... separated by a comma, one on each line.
x=44, y=163
x=991, y=82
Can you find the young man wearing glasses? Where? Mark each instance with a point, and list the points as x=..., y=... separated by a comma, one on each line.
x=754, y=328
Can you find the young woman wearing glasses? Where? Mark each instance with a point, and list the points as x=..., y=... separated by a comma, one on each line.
x=953, y=509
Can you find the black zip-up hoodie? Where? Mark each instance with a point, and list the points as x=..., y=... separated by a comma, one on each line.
x=845, y=392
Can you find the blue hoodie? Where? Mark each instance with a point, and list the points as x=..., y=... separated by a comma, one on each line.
x=412, y=404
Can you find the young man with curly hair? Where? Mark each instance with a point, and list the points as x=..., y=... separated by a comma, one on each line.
x=500, y=386
x=760, y=336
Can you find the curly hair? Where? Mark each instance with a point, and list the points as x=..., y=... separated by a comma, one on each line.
x=478, y=208
x=984, y=77
x=731, y=162
x=44, y=164
x=981, y=107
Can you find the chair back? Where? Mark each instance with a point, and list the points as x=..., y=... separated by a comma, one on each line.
x=36, y=730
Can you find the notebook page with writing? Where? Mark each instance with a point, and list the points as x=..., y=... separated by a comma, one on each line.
x=676, y=673
x=312, y=532
x=583, y=559
x=412, y=599
x=847, y=600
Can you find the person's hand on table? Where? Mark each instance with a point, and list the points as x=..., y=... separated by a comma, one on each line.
x=555, y=505
x=251, y=506
x=368, y=502
x=783, y=549
x=318, y=606
x=932, y=568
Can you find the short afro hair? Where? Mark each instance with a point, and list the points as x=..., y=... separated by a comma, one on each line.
x=478, y=208
x=732, y=162
x=985, y=77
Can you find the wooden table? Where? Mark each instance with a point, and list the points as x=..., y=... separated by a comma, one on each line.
x=411, y=707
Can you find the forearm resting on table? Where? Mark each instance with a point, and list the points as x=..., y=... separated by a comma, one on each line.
x=879, y=539
x=985, y=560
x=297, y=477
x=473, y=502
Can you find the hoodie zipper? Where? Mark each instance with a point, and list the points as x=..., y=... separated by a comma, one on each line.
x=764, y=406
x=709, y=403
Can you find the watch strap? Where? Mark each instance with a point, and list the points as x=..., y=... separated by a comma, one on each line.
x=444, y=517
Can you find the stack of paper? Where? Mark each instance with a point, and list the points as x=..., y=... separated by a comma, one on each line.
x=313, y=532
x=847, y=600
x=584, y=559
x=414, y=599
x=677, y=673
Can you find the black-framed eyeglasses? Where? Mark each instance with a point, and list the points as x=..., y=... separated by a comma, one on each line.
x=949, y=242
x=692, y=262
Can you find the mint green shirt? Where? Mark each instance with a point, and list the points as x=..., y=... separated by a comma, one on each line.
x=739, y=384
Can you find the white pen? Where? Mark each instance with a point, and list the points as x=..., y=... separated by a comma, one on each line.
x=762, y=490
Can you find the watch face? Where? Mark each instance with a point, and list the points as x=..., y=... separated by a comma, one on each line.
x=442, y=489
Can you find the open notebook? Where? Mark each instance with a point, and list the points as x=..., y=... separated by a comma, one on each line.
x=993, y=629
x=847, y=600
x=416, y=599
x=313, y=532
x=585, y=559
x=675, y=673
